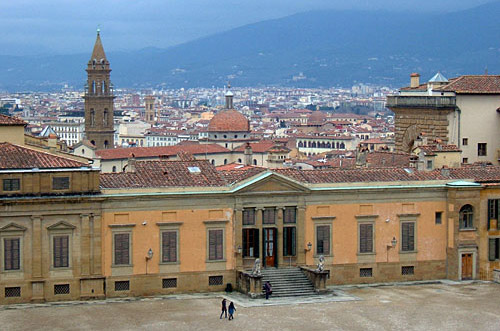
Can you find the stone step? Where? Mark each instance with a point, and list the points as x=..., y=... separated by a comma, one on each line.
x=288, y=282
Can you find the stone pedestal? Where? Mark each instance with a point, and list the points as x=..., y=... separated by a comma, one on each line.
x=317, y=278
x=250, y=284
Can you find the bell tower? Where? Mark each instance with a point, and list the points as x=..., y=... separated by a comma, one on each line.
x=99, y=126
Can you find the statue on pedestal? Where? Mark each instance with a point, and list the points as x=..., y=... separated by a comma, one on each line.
x=256, y=268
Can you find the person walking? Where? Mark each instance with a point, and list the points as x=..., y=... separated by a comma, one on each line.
x=268, y=289
x=231, y=309
x=224, y=309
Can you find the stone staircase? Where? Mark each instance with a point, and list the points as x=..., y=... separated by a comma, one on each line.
x=288, y=282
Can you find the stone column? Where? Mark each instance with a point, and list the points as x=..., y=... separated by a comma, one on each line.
x=85, y=244
x=258, y=225
x=301, y=236
x=238, y=240
x=96, y=246
x=279, y=237
x=36, y=255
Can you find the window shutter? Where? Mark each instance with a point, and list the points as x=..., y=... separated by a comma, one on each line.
x=122, y=248
x=293, y=241
x=212, y=243
x=285, y=241
x=220, y=253
x=492, y=249
x=366, y=238
x=256, y=243
x=408, y=240
x=173, y=247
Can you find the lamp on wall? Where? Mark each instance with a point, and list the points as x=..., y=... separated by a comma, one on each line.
x=392, y=245
x=394, y=242
x=239, y=249
x=150, y=254
x=309, y=246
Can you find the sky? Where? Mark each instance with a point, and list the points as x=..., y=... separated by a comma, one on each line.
x=36, y=27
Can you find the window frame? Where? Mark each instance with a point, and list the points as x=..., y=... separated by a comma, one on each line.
x=293, y=241
x=365, y=223
x=9, y=187
x=19, y=253
x=482, y=149
x=286, y=215
x=493, y=212
x=114, y=234
x=402, y=248
x=316, y=240
x=246, y=216
x=216, y=258
x=254, y=243
x=53, y=250
x=438, y=220
x=462, y=214
x=57, y=178
x=162, y=248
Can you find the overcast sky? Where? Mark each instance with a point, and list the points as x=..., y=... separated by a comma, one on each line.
x=68, y=26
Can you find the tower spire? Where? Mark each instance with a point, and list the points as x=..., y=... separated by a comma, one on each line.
x=98, y=51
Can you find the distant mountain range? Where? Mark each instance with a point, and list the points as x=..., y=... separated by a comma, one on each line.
x=312, y=49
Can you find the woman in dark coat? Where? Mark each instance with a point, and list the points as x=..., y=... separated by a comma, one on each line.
x=231, y=310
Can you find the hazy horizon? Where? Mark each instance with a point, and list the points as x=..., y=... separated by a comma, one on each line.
x=61, y=27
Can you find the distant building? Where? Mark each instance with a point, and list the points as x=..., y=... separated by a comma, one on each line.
x=99, y=126
x=462, y=111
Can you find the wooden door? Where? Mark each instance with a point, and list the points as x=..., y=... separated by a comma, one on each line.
x=270, y=247
x=466, y=266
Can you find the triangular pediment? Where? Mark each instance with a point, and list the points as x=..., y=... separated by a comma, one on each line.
x=13, y=227
x=272, y=183
x=62, y=225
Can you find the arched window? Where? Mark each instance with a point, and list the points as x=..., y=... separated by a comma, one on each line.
x=92, y=117
x=342, y=146
x=103, y=87
x=236, y=136
x=92, y=142
x=466, y=216
x=225, y=136
x=83, y=151
x=239, y=160
x=254, y=161
x=105, y=117
x=328, y=145
x=93, y=87
x=106, y=144
x=338, y=145
x=313, y=145
x=301, y=144
x=114, y=168
x=213, y=162
x=225, y=161
x=309, y=144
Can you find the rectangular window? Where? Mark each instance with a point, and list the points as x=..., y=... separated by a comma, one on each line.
x=465, y=160
x=493, y=211
x=323, y=239
x=493, y=249
x=407, y=270
x=215, y=280
x=60, y=183
x=250, y=243
x=289, y=241
x=169, y=246
x=248, y=216
x=365, y=272
x=122, y=248
x=11, y=254
x=122, y=285
x=11, y=184
x=439, y=217
x=269, y=216
x=465, y=141
x=290, y=215
x=61, y=251
x=366, y=238
x=61, y=289
x=12, y=292
x=481, y=149
x=215, y=244
x=429, y=164
x=408, y=236
x=169, y=283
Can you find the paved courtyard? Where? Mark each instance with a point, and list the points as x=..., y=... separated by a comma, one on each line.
x=473, y=306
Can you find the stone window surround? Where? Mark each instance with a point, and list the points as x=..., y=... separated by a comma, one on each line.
x=118, y=229
x=321, y=221
x=61, y=229
x=12, y=231
x=169, y=227
x=366, y=219
x=216, y=225
x=473, y=220
x=408, y=218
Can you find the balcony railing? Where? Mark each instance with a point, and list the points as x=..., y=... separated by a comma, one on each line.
x=402, y=101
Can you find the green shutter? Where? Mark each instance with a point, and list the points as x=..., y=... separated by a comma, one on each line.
x=256, y=243
x=285, y=241
x=492, y=249
x=294, y=230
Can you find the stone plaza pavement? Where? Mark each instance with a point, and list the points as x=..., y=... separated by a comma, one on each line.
x=440, y=306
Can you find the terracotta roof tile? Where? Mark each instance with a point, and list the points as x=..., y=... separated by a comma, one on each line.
x=19, y=157
x=229, y=121
x=480, y=84
x=150, y=152
x=10, y=120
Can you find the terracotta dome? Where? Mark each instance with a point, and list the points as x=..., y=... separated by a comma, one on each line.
x=316, y=118
x=229, y=121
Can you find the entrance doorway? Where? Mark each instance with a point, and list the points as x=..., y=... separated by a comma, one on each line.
x=270, y=246
x=466, y=266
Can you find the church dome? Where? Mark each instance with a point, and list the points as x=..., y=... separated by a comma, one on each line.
x=229, y=120
x=316, y=118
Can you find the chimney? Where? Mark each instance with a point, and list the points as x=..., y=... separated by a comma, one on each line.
x=52, y=142
x=131, y=163
x=414, y=79
x=248, y=155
